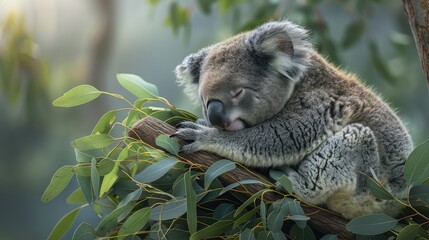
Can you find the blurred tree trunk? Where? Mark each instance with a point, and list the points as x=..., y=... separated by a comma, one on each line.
x=418, y=17
x=100, y=50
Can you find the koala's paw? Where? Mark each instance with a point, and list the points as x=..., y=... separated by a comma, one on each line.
x=197, y=133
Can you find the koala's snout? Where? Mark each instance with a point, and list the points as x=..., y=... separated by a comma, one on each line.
x=216, y=113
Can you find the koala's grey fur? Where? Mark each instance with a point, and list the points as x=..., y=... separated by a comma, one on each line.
x=286, y=107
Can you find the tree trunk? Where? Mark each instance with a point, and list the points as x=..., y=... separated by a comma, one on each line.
x=418, y=17
x=321, y=220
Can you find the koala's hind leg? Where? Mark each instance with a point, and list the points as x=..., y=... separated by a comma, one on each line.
x=337, y=165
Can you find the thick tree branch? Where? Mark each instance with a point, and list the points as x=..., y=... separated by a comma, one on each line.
x=322, y=220
x=418, y=17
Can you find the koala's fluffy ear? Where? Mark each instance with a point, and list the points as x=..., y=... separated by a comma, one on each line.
x=284, y=44
x=188, y=73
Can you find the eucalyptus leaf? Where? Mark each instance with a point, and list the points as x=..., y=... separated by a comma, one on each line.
x=213, y=230
x=84, y=232
x=64, y=224
x=191, y=203
x=59, y=181
x=248, y=202
x=278, y=236
x=371, y=224
x=76, y=197
x=133, y=196
x=168, y=144
x=263, y=213
x=417, y=165
x=93, y=142
x=245, y=217
x=155, y=171
x=377, y=189
x=236, y=184
x=111, y=221
x=247, y=234
x=113, y=176
x=137, y=86
x=216, y=169
x=77, y=96
x=275, y=221
x=86, y=187
x=95, y=177
x=223, y=211
x=302, y=233
x=135, y=222
x=412, y=231
x=329, y=237
x=104, y=125
x=169, y=210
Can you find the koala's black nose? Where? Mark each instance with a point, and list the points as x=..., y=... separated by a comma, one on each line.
x=216, y=113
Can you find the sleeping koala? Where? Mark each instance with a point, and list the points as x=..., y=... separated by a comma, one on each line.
x=270, y=100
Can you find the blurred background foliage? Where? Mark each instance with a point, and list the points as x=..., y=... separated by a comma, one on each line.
x=48, y=46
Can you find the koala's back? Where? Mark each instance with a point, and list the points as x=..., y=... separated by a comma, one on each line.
x=352, y=102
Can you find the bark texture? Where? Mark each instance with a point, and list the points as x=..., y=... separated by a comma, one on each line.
x=321, y=220
x=418, y=18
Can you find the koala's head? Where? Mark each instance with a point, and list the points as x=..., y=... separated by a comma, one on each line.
x=248, y=78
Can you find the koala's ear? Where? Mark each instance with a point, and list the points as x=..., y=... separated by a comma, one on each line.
x=284, y=45
x=188, y=72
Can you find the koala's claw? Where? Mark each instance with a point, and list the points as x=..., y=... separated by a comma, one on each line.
x=189, y=148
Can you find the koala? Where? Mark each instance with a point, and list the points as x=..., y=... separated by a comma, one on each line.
x=270, y=100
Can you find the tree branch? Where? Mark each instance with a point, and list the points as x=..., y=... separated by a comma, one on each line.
x=321, y=220
x=418, y=18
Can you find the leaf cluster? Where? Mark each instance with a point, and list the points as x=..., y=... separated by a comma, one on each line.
x=141, y=192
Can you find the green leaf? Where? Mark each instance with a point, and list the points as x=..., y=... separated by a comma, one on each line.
x=275, y=220
x=113, y=176
x=236, y=184
x=59, y=181
x=86, y=187
x=353, y=33
x=247, y=234
x=245, y=217
x=155, y=171
x=371, y=224
x=216, y=169
x=377, y=189
x=297, y=214
x=214, y=230
x=93, y=142
x=263, y=213
x=82, y=157
x=285, y=182
x=281, y=177
x=64, y=224
x=417, y=165
x=135, y=222
x=104, y=167
x=278, y=236
x=169, y=210
x=302, y=233
x=133, y=196
x=329, y=237
x=223, y=211
x=264, y=235
x=137, y=86
x=168, y=144
x=95, y=177
x=77, y=96
x=109, y=179
x=76, y=197
x=111, y=221
x=248, y=202
x=413, y=231
x=84, y=232
x=105, y=124
x=191, y=203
